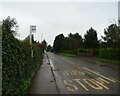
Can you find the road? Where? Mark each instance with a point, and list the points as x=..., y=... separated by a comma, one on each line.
x=78, y=75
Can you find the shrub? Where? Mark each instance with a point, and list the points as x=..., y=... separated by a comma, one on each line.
x=96, y=52
x=70, y=52
x=18, y=66
x=83, y=50
x=109, y=53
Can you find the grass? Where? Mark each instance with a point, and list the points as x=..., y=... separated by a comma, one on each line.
x=96, y=58
x=28, y=82
x=107, y=60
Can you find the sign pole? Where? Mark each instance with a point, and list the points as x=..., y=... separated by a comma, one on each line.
x=32, y=29
x=31, y=41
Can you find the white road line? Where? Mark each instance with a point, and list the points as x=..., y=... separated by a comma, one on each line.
x=99, y=74
x=52, y=65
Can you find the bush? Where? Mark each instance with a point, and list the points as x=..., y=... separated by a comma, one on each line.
x=70, y=52
x=83, y=50
x=109, y=53
x=18, y=66
x=96, y=52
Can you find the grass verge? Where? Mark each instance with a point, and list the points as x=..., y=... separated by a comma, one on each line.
x=95, y=58
x=107, y=60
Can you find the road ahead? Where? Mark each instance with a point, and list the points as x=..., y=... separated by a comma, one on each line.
x=80, y=75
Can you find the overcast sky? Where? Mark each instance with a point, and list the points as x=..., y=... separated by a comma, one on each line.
x=53, y=18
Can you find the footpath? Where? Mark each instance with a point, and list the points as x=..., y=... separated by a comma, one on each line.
x=44, y=80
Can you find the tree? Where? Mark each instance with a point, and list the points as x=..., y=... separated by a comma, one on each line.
x=78, y=41
x=27, y=40
x=91, y=39
x=8, y=24
x=75, y=41
x=112, y=36
x=58, y=43
x=72, y=42
x=49, y=48
x=44, y=45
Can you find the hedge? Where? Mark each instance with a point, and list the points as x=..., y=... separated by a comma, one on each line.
x=69, y=52
x=109, y=53
x=83, y=50
x=18, y=66
x=96, y=52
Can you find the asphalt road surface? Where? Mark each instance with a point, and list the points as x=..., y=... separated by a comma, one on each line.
x=78, y=75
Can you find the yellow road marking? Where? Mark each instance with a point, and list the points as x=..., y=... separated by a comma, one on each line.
x=114, y=79
x=100, y=84
x=103, y=80
x=78, y=81
x=88, y=72
x=70, y=87
x=72, y=72
x=97, y=86
x=65, y=73
x=99, y=74
x=78, y=72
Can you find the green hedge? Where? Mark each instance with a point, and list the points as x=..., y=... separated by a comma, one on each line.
x=109, y=53
x=70, y=52
x=18, y=66
x=96, y=52
x=83, y=50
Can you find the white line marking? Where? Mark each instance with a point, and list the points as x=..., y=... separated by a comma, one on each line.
x=99, y=74
x=52, y=65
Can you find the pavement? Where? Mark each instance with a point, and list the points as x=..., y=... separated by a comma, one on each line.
x=43, y=81
x=71, y=75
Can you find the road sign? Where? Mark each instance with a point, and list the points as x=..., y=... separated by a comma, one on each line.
x=33, y=28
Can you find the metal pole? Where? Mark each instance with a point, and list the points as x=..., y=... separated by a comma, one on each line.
x=30, y=35
x=31, y=42
x=16, y=30
x=41, y=37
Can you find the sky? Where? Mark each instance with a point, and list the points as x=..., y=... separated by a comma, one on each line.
x=54, y=18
